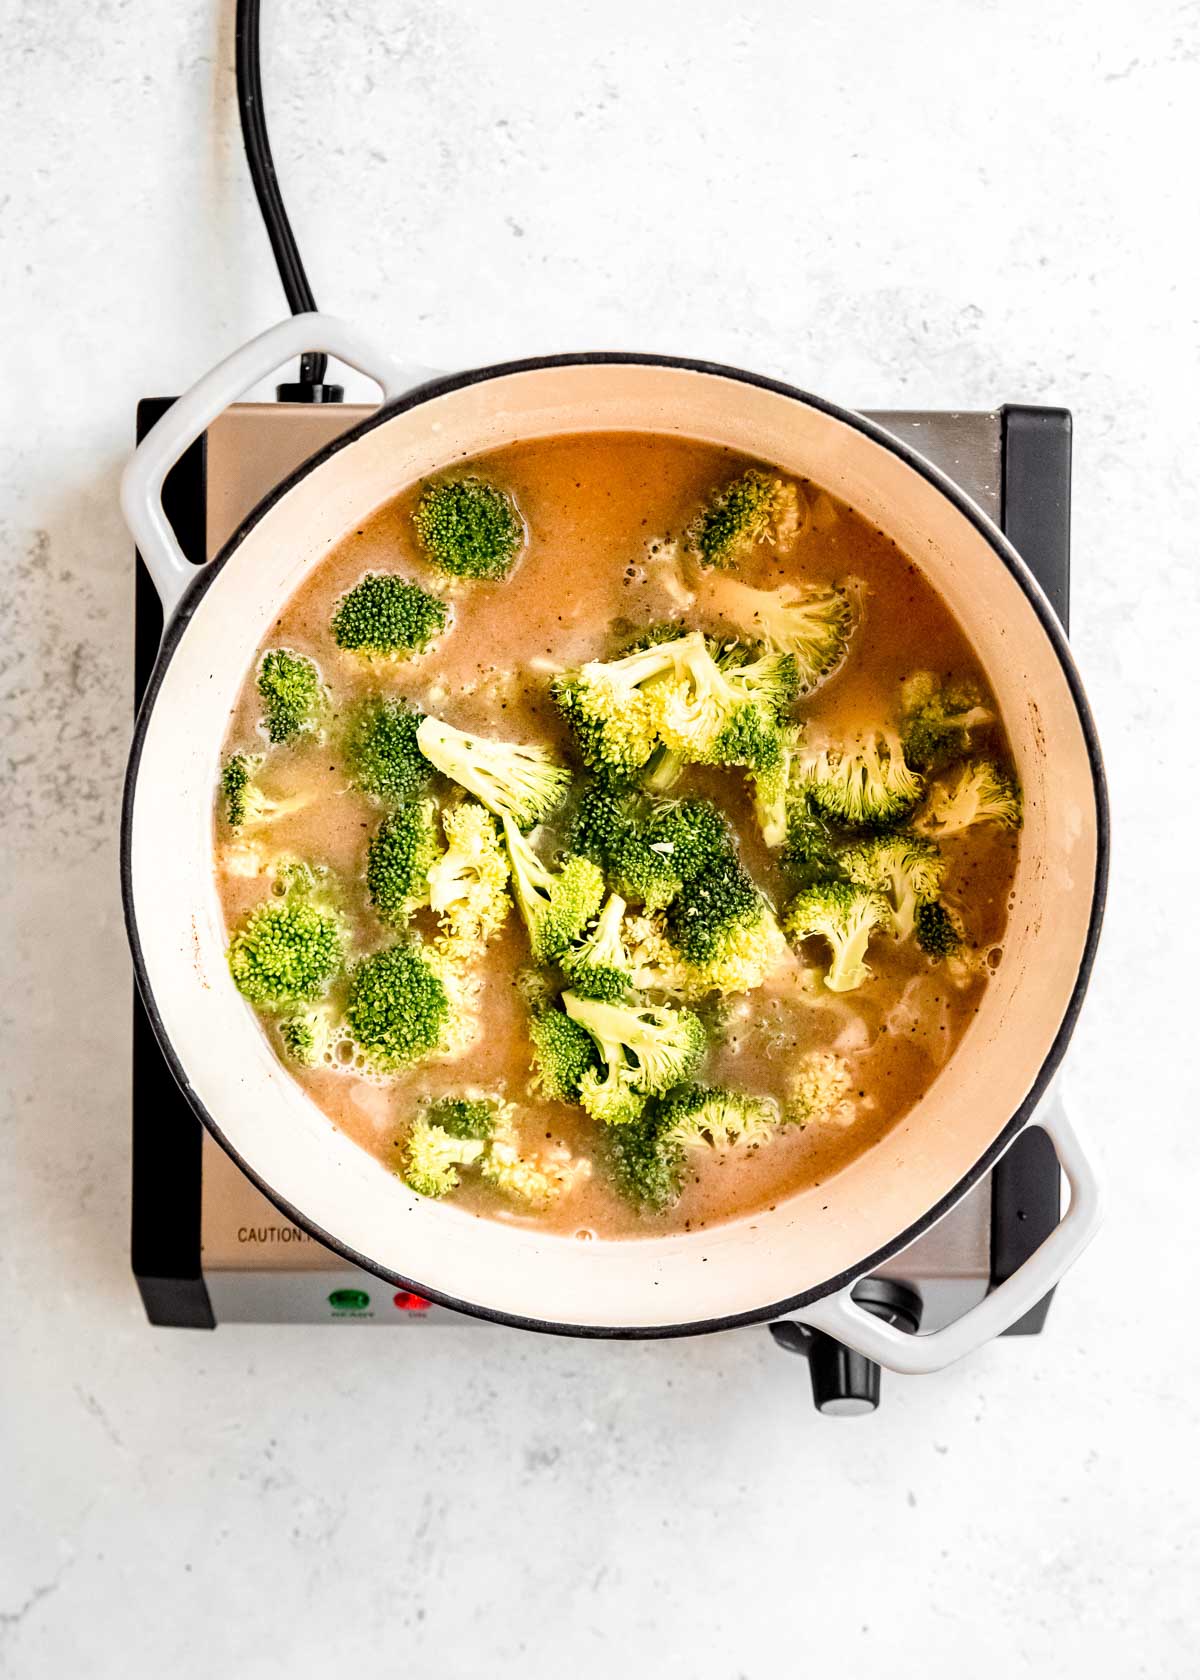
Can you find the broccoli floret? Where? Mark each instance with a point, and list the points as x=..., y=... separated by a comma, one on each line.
x=247, y=804
x=470, y=1116
x=609, y=707
x=563, y=1053
x=717, y=1119
x=469, y=528
x=432, y=1157
x=655, y=964
x=906, y=868
x=718, y=935
x=978, y=792
x=939, y=930
x=401, y=853
x=292, y=694
x=387, y=617
x=288, y=950
x=648, y=850
x=381, y=753
x=937, y=720
x=710, y=707
x=517, y=782
x=757, y=507
x=845, y=916
x=235, y=780
x=531, y=1179
x=645, y=1049
x=400, y=1009
x=466, y=884
x=818, y=1090
x=628, y=838
x=598, y=965
x=481, y=1132
x=644, y=1162
x=555, y=906
x=723, y=897
x=310, y=1036
x=772, y=787
x=813, y=622
x=721, y=708
x=711, y=904
x=300, y=1040
x=864, y=782
x=694, y=835
x=809, y=849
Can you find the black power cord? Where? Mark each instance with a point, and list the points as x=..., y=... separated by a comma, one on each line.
x=311, y=385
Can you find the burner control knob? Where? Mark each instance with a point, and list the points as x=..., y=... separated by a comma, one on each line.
x=844, y=1384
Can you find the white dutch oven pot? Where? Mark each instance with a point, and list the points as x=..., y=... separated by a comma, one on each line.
x=803, y=1257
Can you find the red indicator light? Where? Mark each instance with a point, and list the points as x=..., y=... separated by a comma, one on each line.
x=410, y=1303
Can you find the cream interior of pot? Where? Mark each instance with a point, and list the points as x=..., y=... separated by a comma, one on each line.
x=293, y=1149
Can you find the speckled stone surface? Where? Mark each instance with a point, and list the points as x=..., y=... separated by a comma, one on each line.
x=951, y=205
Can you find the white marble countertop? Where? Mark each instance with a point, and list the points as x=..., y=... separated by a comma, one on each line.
x=951, y=205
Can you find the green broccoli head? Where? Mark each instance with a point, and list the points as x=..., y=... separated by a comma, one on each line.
x=648, y=850
x=939, y=930
x=288, y=950
x=845, y=916
x=809, y=850
x=645, y=1048
x=609, y=708
x=708, y=1116
x=517, y=782
x=310, y=1036
x=864, y=782
x=632, y=842
x=938, y=719
x=694, y=835
x=245, y=803
x=467, y=882
x=480, y=1132
x=810, y=622
x=293, y=696
x=724, y=933
x=656, y=965
x=387, y=617
x=755, y=508
x=235, y=781
x=563, y=1053
x=524, y=1178
x=978, y=792
x=906, y=868
x=597, y=964
x=402, y=852
x=722, y=708
x=471, y=1116
x=381, y=754
x=432, y=1157
x=818, y=1090
x=772, y=788
x=719, y=899
x=555, y=905
x=399, y=1009
x=469, y=528
x=645, y=1163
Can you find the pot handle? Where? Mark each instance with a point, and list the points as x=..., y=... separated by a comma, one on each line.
x=842, y=1318
x=194, y=412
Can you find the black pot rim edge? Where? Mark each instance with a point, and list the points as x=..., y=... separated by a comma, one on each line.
x=1050, y=624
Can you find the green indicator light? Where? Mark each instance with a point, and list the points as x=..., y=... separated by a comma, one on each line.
x=349, y=1300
